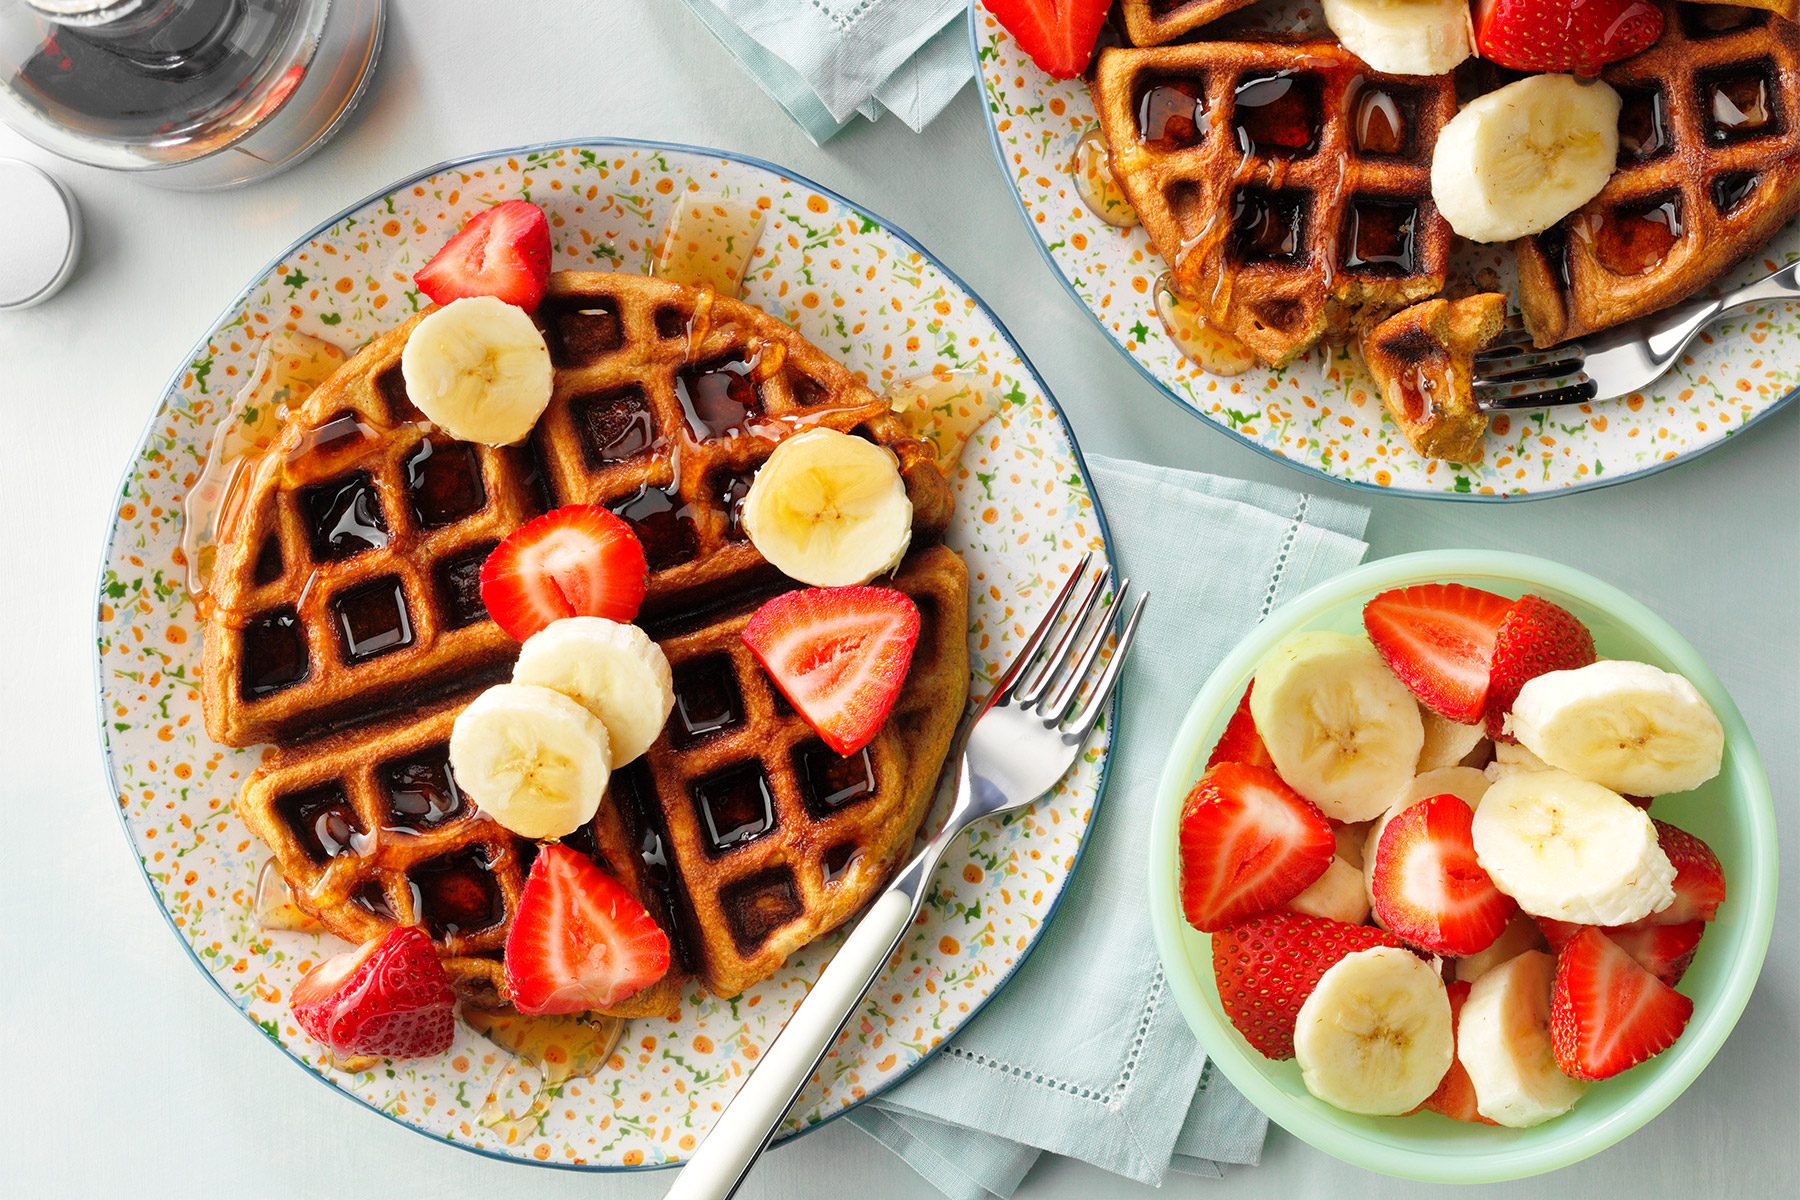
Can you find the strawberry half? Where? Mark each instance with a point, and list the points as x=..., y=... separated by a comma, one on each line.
x=1429, y=889
x=1455, y=1095
x=1557, y=35
x=503, y=252
x=1536, y=638
x=1607, y=1013
x=389, y=998
x=839, y=655
x=1438, y=638
x=579, y=941
x=1267, y=966
x=1058, y=34
x=575, y=561
x=1699, y=878
x=1249, y=843
x=1666, y=951
x=1240, y=743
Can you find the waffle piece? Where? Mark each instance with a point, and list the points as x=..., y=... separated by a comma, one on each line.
x=1709, y=170
x=1153, y=22
x=1423, y=361
x=370, y=831
x=1789, y=9
x=742, y=834
x=776, y=838
x=1286, y=183
x=347, y=577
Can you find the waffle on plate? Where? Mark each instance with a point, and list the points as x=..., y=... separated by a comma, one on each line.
x=1286, y=183
x=347, y=577
x=1709, y=169
x=345, y=623
x=1153, y=22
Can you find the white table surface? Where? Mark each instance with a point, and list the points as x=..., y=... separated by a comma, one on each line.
x=123, y=1070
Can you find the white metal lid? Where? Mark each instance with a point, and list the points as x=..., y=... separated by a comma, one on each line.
x=40, y=237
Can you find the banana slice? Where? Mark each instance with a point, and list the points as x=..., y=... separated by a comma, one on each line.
x=614, y=671
x=532, y=759
x=1510, y=758
x=478, y=368
x=1343, y=731
x=1350, y=840
x=1447, y=744
x=1571, y=850
x=1521, y=934
x=1375, y=1036
x=1518, y=160
x=1403, y=37
x=1627, y=726
x=1503, y=1041
x=1337, y=895
x=829, y=509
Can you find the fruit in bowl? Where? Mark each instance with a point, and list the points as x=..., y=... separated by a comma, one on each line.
x=1535, y=930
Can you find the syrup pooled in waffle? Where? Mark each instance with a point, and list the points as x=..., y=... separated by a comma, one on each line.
x=1153, y=22
x=1709, y=170
x=740, y=831
x=1286, y=183
x=369, y=830
x=348, y=562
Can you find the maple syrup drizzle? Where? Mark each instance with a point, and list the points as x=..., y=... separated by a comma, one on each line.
x=945, y=410
x=1091, y=171
x=288, y=366
x=1206, y=346
x=708, y=242
x=547, y=1053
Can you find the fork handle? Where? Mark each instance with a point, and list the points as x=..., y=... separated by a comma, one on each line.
x=743, y=1130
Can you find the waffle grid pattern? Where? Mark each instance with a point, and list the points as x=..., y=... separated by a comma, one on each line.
x=1279, y=210
x=1153, y=22
x=666, y=400
x=1692, y=197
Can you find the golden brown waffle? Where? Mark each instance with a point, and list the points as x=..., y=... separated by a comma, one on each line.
x=347, y=577
x=740, y=831
x=1781, y=8
x=1423, y=360
x=370, y=831
x=1286, y=183
x=1709, y=170
x=1153, y=22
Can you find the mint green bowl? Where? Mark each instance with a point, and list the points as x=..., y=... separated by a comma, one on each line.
x=1732, y=813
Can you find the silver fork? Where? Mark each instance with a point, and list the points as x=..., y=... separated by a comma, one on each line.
x=1022, y=740
x=1513, y=374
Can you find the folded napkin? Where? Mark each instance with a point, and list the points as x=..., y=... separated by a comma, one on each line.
x=827, y=61
x=1085, y=1053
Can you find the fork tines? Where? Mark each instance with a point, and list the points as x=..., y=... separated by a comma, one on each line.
x=1048, y=682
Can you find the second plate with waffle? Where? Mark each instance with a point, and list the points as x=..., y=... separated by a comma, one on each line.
x=342, y=618
x=1239, y=201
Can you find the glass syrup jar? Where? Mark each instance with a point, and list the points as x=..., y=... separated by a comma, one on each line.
x=190, y=94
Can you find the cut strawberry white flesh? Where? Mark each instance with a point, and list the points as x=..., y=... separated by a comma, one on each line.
x=1465, y=783
x=1249, y=843
x=503, y=252
x=1608, y=1013
x=576, y=561
x=839, y=655
x=1438, y=638
x=1428, y=886
x=1342, y=731
x=579, y=941
x=389, y=998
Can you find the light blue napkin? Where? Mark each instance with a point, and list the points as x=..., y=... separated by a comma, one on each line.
x=827, y=61
x=1085, y=1053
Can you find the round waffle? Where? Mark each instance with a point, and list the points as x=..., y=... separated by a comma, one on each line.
x=345, y=623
